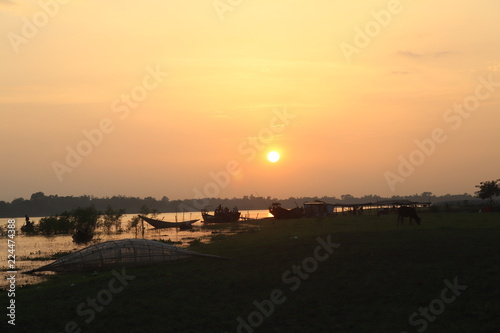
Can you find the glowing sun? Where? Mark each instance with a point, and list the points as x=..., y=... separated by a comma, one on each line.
x=273, y=157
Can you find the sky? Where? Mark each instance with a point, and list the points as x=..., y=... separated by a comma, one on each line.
x=185, y=99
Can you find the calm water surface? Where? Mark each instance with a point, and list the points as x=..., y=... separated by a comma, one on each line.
x=28, y=248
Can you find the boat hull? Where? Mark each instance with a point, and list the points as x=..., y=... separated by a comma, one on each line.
x=157, y=224
x=281, y=213
x=226, y=217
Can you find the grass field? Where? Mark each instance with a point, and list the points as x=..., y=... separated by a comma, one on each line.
x=284, y=277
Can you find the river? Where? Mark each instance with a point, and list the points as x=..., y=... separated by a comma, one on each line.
x=31, y=250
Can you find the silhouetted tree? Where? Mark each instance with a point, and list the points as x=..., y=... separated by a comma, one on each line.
x=488, y=190
x=347, y=198
x=85, y=223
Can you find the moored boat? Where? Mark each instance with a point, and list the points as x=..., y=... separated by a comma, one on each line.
x=281, y=213
x=221, y=215
x=158, y=224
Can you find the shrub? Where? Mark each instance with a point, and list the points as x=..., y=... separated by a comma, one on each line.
x=54, y=225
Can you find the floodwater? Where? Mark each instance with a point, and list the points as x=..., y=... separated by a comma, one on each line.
x=32, y=251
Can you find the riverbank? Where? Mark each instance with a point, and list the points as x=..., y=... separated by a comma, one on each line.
x=339, y=274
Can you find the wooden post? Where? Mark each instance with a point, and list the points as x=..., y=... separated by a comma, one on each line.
x=142, y=227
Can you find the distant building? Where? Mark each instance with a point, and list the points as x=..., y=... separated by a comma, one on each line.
x=318, y=208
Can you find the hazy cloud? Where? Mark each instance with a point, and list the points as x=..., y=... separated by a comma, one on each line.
x=494, y=66
x=401, y=72
x=223, y=116
x=7, y=3
x=414, y=55
x=12, y=7
x=409, y=54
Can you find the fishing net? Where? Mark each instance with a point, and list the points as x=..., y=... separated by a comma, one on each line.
x=125, y=252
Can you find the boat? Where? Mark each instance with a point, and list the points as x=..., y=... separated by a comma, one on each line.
x=221, y=218
x=221, y=215
x=120, y=253
x=158, y=224
x=281, y=213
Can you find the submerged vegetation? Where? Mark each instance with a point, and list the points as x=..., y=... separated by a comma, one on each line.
x=169, y=241
x=80, y=222
x=53, y=256
x=112, y=219
x=55, y=225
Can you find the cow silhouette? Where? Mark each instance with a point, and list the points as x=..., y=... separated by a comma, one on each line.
x=405, y=211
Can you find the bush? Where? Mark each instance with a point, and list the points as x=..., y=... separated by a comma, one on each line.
x=80, y=220
x=54, y=225
x=85, y=223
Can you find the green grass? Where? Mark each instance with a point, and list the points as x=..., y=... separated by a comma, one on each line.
x=373, y=282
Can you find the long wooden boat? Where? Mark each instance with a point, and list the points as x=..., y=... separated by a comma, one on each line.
x=281, y=213
x=120, y=253
x=221, y=217
x=158, y=224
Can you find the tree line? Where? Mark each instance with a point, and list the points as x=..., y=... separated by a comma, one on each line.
x=40, y=204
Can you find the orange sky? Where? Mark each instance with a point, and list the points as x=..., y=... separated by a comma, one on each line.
x=158, y=98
